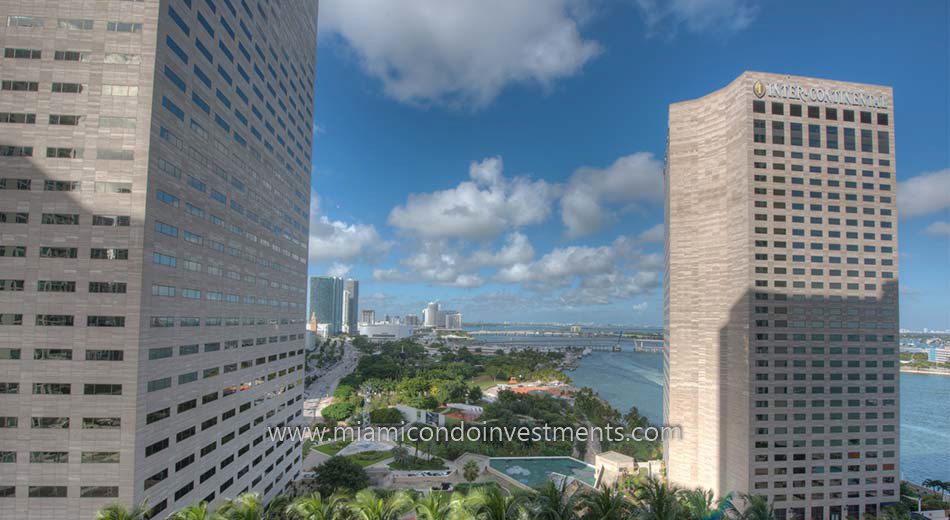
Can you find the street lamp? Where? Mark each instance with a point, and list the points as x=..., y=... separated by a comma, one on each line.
x=914, y=498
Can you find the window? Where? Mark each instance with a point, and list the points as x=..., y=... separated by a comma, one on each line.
x=122, y=58
x=7, y=150
x=120, y=90
x=152, y=449
x=55, y=286
x=9, y=354
x=102, y=389
x=883, y=141
x=54, y=320
x=51, y=388
x=49, y=422
x=158, y=415
x=17, y=118
x=47, y=491
x=163, y=290
x=107, y=287
x=65, y=120
x=99, y=492
x=58, y=252
x=75, y=24
x=19, y=86
x=63, y=153
x=110, y=220
x=166, y=229
x=105, y=321
x=115, y=154
x=10, y=217
x=25, y=54
x=104, y=355
x=123, y=27
x=159, y=384
x=167, y=198
x=10, y=388
x=72, y=56
x=116, y=122
x=97, y=253
x=100, y=457
x=101, y=423
x=24, y=21
x=67, y=88
x=53, y=354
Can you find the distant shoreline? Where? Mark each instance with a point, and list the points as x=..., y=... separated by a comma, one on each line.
x=923, y=371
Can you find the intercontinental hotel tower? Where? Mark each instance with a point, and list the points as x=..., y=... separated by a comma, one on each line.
x=781, y=295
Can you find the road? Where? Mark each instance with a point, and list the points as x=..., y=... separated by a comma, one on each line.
x=318, y=394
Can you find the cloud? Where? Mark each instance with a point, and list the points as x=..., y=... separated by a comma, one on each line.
x=337, y=240
x=440, y=263
x=481, y=208
x=592, y=195
x=924, y=194
x=339, y=270
x=699, y=16
x=938, y=229
x=640, y=307
x=654, y=234
x=461, y=52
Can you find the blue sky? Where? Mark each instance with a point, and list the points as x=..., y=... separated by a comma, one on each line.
x=504, y=157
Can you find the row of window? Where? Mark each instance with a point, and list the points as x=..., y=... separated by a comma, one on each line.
x=60, y=87
x=814, y=112
x=68, y=152
x=66, y=354
x=796, y=137
x=66, y=286
x=63, y=388
x=66, y=120
x=72, y=219
x=118, y=58
x=52, y=185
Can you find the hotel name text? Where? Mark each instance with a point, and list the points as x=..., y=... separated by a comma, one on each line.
x=824, y=95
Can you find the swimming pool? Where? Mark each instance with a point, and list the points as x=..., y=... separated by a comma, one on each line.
x=535, y=471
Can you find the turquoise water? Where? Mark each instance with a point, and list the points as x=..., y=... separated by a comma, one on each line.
x=636, y=379
x=534, y=471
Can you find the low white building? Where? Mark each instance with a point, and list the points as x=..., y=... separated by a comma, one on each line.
x=385, y=331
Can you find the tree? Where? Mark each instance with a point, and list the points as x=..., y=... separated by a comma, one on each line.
x=343, y=391
x=197, y=511
x=491, y=504
x=117, y=511
x=367, y=506
x=606, y=504
x=471, y=471
x=339, y=474
x=315, y=507
x=385, y=416
x=634, y=419
x=400, y=455
x=698, y=503
x=338, y=411
x=247, y=506
x=554, y=503
x=756, y=507
x=435, y=506
x=474, y=394
x=658, y=500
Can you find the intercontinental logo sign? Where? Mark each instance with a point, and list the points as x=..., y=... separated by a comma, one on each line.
x=818, y=95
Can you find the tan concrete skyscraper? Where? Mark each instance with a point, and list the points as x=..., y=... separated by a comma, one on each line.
x=781, y=295
x=154, y=195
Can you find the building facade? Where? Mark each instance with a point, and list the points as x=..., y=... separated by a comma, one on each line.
x=781, y=309
x=351, y=316
x=430, y=315
x=326, y=302
x=152, y=307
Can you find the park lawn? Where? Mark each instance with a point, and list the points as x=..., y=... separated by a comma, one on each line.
x=484, y=381
x=418, y=464
x=368, y=458
x=332, y=448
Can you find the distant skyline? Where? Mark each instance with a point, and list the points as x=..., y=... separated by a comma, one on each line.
x=515, y=183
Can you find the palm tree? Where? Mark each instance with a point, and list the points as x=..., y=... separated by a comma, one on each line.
x=698, y=503
x=658, y=500
x=554, y=503
x=197, y=511
x=606, y=504
x=757, y=507
x=437, y=506
x=492, y=504
x=277, y=508
x=247, y=506
x=315, y=507
x=367, y=506
x=117, y=511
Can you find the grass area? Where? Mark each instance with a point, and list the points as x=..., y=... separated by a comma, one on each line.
x=466, y=487
x=484, y=381
x=417, y=464
x=368, y=458
x=332, y=448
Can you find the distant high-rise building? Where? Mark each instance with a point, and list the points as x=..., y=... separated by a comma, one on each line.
x=781, y=295
x=145, y=248
x=351, y=316
x=368, y=316
x=452, y=319
x=430, y=315
x=326, y=301
x=412, y=319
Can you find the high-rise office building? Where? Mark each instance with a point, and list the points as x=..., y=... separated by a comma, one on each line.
x=452, y=319
x=430, y=315
x=781, y=295
x=351, y=316
x=326, y=301
x=368, y=316
x=152, y=307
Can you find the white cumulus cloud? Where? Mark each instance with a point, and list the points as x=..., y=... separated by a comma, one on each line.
x=461, y=52
x=481, y=208
x=924, y=194
x=938, y=228
x=594, y=196
x=338, y=240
